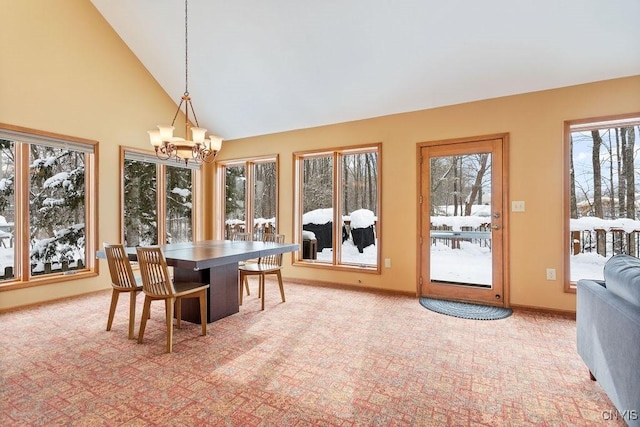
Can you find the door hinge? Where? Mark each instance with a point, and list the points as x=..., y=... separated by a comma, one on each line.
x=421, y=280
x=420, y=199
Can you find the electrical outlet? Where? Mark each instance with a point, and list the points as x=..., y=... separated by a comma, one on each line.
x=387, y=262
x=551, y=274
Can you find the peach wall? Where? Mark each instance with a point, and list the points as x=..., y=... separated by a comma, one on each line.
x=65, y=70
x=534, y=122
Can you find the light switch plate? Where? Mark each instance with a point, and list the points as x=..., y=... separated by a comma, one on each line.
x=517, y=206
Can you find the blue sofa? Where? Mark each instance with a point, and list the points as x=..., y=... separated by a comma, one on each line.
x=608, y=334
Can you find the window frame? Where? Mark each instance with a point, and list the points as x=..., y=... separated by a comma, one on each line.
x=298, y=176
x=131, y=153
x=569, y=127
x=248, y=163
x=23, y=137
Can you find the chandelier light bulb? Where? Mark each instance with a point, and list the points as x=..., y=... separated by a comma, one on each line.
x=198, y=134
x=166, y=132
x=154, y=137
x=216, y=142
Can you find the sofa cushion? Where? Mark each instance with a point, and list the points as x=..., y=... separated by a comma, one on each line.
x=622, y=277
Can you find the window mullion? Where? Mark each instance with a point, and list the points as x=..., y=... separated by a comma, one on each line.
x=249, y=198
x=337, y=209
x=197, y=220
x=21, y=223
x=161, y=203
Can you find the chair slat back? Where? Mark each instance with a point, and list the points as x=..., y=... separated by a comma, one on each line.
x=119, y=267
x=154, y=271
x=272, y=260
x=241, y=237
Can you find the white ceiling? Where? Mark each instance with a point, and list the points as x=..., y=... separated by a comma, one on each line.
x=265, y=66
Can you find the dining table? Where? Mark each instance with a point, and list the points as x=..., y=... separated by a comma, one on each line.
x=214, y=262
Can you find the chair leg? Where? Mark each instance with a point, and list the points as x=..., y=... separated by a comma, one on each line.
x=146, y=309
x=112, y=310
x=261, y=289
x=240, y=290
x=281, y=285
x=169, y=304
x=246, y=285
x=203, y=311
x=178, y=305
x=132, y=313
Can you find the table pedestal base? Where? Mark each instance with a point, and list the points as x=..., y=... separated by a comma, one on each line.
x=222, y=295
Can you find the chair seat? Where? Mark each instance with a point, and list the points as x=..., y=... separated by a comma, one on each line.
x=183, y=288
x=258, y=268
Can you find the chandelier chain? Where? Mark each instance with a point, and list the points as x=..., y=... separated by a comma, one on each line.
x=186, y=49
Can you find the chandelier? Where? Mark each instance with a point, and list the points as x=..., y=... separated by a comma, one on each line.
x=198, y=149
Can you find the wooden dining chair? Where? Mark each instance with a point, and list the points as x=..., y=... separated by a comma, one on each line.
x=245, y=237
x=122, y=280
x=271, y=264
x=157, y=285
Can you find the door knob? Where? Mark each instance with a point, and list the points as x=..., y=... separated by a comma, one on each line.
x=495, y=226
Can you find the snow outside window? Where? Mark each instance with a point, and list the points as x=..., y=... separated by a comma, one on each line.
x=339, y=220
x=46, y=189
x=604, y=209
x=151, y=216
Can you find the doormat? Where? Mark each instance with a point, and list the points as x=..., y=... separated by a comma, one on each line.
x=465, y=310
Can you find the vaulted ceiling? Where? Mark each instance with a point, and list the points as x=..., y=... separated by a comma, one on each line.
x=265, y=66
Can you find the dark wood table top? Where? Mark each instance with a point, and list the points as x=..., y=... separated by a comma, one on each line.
x=213, y=253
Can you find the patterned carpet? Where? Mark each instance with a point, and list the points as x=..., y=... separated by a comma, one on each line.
x=326, y=357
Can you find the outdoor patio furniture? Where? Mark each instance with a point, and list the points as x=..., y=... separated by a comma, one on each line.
x=309, y=245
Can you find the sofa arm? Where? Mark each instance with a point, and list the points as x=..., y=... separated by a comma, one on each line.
x=608, y=340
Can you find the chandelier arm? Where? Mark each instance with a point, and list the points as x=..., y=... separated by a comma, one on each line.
x=161, y=153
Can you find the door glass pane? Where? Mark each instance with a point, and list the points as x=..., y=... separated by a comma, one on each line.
x=56, y=209
x=264, y=199
x=359, y=209
x=7, y=209
x=234, y=208
x=179, y=204
x=140, y=206
x=460, y=209
x=317, y=207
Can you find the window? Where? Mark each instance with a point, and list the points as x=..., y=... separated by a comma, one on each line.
x=47, y=207
x=338, y=207
x=151, y=216
x=250, y=191
x=602, y=205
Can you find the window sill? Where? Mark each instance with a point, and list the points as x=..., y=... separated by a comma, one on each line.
x=49, y=280
x=570, y=287
x=342, y=267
